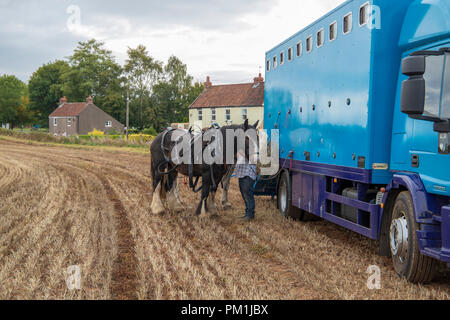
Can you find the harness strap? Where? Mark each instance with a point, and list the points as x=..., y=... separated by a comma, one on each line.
x=163, y=146
x=191, y=175
x=211, y=168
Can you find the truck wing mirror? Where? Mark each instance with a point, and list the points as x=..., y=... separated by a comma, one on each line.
x=413, y=66
x=413, y=89
x=413, y=96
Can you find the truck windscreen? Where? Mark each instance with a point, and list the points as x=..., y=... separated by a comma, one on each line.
x=445, y=107
x=433, y=80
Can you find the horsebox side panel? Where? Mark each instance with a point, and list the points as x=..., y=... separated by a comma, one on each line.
x=322, y=101
x=319, y=100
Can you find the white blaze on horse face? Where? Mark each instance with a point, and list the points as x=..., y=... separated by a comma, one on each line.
x=274, y=158
x=213, y=153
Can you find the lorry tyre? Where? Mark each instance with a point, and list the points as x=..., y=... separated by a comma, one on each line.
x=409, y=263
x=285, y=198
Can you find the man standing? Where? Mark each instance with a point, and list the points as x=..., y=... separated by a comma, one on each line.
x=246, y=173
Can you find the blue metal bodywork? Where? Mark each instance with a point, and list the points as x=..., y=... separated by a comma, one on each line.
x=338, y=111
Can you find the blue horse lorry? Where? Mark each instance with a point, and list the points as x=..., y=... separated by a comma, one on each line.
x=362, y=101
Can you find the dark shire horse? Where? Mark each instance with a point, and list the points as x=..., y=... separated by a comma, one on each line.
x=165, y=172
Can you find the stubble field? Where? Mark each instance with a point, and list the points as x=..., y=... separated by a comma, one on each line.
x=62, y=207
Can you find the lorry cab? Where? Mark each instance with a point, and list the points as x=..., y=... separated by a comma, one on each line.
x=361, y=99
x=422, y=111
x=420, y=155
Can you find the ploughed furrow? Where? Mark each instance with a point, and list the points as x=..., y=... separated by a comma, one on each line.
x=277, y=249
x=62, y=207
x=122, y=276
x=246, y=268
x=12, y=171
x=153, y=264
x=69, y=226
x=174, y=270
x=124, y=283
x=25, y=240
x=201, y=258
x=85, y=235
x=20, y=178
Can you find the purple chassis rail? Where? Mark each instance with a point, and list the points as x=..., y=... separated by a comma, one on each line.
x=314, y=190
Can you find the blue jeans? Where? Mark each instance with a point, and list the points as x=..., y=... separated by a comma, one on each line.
x=246, y=185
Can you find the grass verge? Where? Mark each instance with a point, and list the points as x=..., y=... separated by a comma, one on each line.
x=142, y=149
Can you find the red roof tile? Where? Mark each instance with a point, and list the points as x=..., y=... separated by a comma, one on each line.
x=69, y=110
x=234, y=95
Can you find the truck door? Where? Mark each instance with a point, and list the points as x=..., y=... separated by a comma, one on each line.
x=426, y=99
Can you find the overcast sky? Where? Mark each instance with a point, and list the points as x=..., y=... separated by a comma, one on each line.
x=226, y=39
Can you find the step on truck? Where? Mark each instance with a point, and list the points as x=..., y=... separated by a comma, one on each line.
x=362, y=101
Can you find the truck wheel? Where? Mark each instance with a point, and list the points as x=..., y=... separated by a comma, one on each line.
x=409, y=263
x=285, y=198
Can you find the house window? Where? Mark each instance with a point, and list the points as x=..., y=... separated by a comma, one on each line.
x=108, y=124
x=309, y=44
x=348, y=23
x=281, y=58
x=69, y=122
x=290, y=54
x=213, y=115
x=244, y=114
x=268, y=66
x=55, y=122
x=364, y=14
x=228, y=115
x=299, y=49
x=320, y=38
x=200, y=115
x=275, y=62
x=333, y=31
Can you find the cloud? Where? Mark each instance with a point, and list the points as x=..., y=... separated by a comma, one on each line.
x=225, y=39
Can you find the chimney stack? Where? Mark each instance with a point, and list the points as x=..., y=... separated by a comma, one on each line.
x=89, y=100
x=62, y=100
x=258, y=79
x=208, y=83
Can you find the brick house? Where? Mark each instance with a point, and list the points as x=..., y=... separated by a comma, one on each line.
x=80, y=118
x=228, y=104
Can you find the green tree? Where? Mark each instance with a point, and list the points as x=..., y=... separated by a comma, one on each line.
x=46, y=89
x=13, y=100
x=160, y=114
x=94, y=71
x=173, y=95
x=184, y=91
x=25, y=115
x=142, y=72
x=192, y=93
